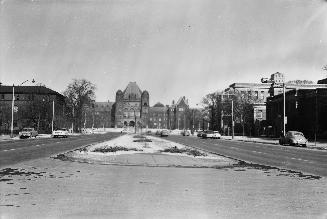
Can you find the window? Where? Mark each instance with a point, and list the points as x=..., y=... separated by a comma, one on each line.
x=180, y=109
x=256, y=94
x=262, y=95
x=2, y=96
x=258, y=114
x=159, y=119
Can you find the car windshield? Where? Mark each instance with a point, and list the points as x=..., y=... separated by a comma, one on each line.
x=27, y=129
x=209, y=132
x=297, y=134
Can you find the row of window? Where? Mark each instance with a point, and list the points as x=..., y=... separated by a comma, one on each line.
x=159, y=119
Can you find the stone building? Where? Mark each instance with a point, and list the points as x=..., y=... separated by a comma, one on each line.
x=131, y=107
x=158, y=116
x=102, y=115
x=178, y=115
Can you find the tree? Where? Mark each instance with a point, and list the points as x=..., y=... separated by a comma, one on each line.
x=80, y=96
x=212, y=109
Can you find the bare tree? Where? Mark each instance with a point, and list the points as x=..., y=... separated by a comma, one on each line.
x=80, y=96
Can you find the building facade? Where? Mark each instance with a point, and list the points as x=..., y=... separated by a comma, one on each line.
x=131, y=107
x=158, y=116
x=305, y=111
x=34, y=107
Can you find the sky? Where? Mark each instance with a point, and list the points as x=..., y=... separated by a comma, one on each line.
x=171, y=48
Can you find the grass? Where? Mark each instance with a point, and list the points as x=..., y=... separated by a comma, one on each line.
x=187, y=151
x=114, y=149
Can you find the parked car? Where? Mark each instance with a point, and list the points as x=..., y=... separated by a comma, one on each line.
x=158, y=132
x=164, y=133
x=28, y=133
x=186, y=133
x=60, y=133
x=293, y=138
x=216, y=135
x=200, y=133
x=207, y=134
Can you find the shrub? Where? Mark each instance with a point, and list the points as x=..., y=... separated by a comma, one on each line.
x=187, y=151
x=114, y=149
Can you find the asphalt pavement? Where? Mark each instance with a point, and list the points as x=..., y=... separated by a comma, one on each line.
x=286, y=157
x=16, y=151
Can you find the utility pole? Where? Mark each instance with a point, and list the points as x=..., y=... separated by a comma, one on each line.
x=12, y=112
x=284, y=115
x=53, y=113
x=232, y=120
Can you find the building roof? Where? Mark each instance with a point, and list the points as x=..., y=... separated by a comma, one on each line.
x=159, y=105
x=103, y=106
x=29, y=90
x=250, y=85
x=132, y=91
x=322, y=81
x=158, y=109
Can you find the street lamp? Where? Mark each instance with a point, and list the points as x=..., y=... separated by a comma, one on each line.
x=232, y=114
x=13, y=106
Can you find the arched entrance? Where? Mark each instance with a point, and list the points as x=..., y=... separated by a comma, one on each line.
x=131, y=123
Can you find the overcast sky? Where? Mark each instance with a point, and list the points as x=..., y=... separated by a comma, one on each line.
x=171, y=48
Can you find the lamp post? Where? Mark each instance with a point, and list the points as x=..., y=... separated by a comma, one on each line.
x=232, y=110
x=12, y=108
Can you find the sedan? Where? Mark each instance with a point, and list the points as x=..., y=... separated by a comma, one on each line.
x=60, y=133
x=164, y=133
x=216, y=135
x=293, y=138
x=207, y=134
x=28, y=133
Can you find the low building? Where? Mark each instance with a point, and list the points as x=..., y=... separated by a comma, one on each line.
x=305, y=109
x=33, y=108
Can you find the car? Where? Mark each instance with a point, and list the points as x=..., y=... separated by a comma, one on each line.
x=164, y=133
x=28, y=133
x=186, y=133
x=207, y=134
x=62, y=132
x=158, y=132
x=199, y=134
x=293, y=138
x=216, y=135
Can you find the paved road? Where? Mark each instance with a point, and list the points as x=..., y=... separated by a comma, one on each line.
x=293, y=158
x=12, y=152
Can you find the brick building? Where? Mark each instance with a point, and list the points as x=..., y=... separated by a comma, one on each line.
x=33, y=108
x=305, y=109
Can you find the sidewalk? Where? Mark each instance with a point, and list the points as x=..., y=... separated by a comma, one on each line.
x=318, y=145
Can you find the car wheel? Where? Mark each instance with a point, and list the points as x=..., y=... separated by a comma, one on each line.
x=304, y=145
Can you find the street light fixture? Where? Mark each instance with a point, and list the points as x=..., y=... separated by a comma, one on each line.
x=13, y=107
x=222, y=111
